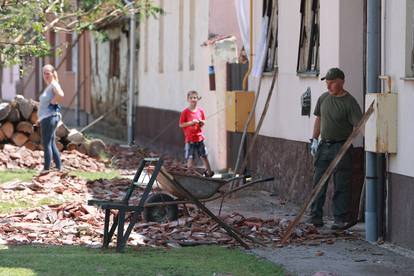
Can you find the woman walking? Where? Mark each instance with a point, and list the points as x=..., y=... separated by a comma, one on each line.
x=49, y=117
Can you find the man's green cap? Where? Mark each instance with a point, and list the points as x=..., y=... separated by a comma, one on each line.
x=333, y=74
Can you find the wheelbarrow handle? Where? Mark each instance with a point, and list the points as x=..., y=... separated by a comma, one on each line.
x=249, y=184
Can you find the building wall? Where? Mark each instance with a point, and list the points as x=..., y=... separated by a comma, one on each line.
x=282, y=149
x=395, y=22
x=401, y=175
x=32, y=84
x=169, y=68
x=340, y=46
x=110, y=92
x=10, y=80
x=400, y=221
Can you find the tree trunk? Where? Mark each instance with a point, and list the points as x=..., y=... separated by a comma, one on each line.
x=2, y=136
x=95, y=147
x=34, y=117
x=25, y=106
x=4, y=110
x=19, y=139
x=62, y=130
x=72, y=146
x=25, y=127
x=8, y=129
x=35, y=137
x=60, y=146
x=31, y=146
x=14, y=115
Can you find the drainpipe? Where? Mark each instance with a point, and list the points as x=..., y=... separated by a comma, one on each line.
x=131, y=82
x=373, y=71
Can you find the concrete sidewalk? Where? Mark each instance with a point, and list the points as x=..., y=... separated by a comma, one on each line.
x=354, y=257
x=343, y=257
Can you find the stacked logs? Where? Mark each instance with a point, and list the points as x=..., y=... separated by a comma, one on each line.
x=19, y=126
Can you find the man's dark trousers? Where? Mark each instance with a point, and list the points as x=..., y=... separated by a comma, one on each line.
x=342, y=177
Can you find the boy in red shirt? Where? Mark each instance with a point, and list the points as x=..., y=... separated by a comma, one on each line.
x=192, y=120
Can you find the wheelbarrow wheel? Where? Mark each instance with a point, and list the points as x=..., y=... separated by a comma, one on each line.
x=161, y=213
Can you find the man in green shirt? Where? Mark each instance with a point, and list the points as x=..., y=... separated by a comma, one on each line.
x=337, y=113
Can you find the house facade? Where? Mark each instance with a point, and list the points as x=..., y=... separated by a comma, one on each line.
x=397, y=61
x=73, y=68
x=305, y=39
x=176, y=51
x=9, y=79
x=109, y=73
x=312, y=37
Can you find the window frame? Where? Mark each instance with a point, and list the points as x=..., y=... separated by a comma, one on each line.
x=409, y=46
x=271, y=9
x=114, y=58
x=308, y=48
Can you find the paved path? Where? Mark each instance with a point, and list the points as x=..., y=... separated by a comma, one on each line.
x=344, y=257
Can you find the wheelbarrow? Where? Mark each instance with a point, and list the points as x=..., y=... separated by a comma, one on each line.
x=163, y=206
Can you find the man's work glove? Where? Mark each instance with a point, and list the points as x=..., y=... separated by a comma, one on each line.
x=314, y=146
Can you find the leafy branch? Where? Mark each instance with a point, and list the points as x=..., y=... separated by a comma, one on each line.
x=25, y=23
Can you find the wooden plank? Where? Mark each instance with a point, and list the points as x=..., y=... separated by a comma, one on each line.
x=329, y=171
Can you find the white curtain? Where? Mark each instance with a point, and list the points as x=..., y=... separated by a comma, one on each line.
x=259, y=52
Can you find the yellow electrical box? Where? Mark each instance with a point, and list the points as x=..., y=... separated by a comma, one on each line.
x=381, y=127
x=238, y=107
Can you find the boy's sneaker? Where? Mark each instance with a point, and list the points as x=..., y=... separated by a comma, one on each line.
x=317, y=222
x=340, y=225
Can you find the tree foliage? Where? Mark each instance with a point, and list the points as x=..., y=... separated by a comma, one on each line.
x=24, y=23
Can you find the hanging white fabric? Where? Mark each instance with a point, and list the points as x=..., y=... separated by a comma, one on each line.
x=261, y=49
x=243, y=13
x=243, y=19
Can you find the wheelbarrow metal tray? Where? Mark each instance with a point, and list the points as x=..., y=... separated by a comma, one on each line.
x=200, y=187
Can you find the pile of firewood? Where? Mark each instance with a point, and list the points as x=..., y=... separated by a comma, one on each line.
x=19, y=126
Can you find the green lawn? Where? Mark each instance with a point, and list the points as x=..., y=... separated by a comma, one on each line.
x=19, y=203
x=23, y=175
x=201, y=260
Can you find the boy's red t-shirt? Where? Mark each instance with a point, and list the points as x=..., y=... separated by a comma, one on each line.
x=194, y=133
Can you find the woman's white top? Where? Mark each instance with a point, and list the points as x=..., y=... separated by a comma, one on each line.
x=45, y=99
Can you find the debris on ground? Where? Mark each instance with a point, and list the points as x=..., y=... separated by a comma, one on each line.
x=68, y=220
x=76, y=223
x=13, y=157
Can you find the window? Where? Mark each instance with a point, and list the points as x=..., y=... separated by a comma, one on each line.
x=191, y=35
x=308, y=52
x=69, y=56
x=52, y=39
x=270, y=10
x=181, y=35
x=114, y=66
x=409, y=49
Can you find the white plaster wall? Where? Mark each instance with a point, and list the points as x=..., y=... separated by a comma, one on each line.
x=283, y=119
x=402, y=162
x=168, y=90
x=8, y=85
x=351, y=50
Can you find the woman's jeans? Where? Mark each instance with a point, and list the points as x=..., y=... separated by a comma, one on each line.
x=48, y=127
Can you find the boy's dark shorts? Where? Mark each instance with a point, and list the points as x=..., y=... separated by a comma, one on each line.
x=191, y=149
